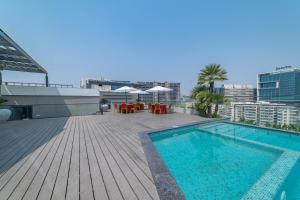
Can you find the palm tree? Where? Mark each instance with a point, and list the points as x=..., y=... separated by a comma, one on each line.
x=284, y=126
x=292, y=127
x=197, y=89
x=219, y=99
x=2, y=100
x=210, y=74
x=203, y=102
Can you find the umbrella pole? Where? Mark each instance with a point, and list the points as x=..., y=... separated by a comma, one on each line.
x=126, y=96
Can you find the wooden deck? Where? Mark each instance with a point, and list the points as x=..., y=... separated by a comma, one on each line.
x=84, y=157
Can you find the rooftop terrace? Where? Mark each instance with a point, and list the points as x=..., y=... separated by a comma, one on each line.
x=83, y=157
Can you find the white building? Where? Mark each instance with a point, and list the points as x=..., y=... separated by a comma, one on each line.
x=235, y=93
x=248, y=111
x=263, y=113
x=288, y=115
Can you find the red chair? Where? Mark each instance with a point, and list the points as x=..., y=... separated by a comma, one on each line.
x=152, y=108
x=157, y=109
x=142, y=106
x=123, y=108
x=163, y=109
x=130, y=108
x=137, y=106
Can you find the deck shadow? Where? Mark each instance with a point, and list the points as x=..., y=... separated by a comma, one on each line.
x=19, y=139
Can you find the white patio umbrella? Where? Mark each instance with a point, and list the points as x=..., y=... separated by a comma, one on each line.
x=158, y=89
x=138, y=92
x=125, y=89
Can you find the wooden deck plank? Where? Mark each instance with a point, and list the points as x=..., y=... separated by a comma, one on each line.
x=140, y=161
x=112, y=187
x=39, y=180
x=14, y=182
x=19, y=144
x=125, y=188
x=73, y=187
x=61, y=182
x=32, y=180
x=86, y=186
x=100, y=191
x=49, y=181
x=22, y=149
x=130, y=177
x=35, y=147
x=83, y=157
x=143, y=177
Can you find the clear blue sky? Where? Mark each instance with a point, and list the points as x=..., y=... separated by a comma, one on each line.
x=144, y=40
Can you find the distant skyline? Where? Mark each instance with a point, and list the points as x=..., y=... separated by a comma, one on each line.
x=153, y=40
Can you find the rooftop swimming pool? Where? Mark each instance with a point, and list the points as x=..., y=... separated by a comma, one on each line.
x=221, y=160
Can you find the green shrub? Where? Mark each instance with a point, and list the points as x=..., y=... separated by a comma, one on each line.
x=2, y=100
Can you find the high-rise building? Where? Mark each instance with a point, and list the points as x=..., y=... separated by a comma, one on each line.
x=168, y=97
x=279, y=86
x=107, y=86
x=235, y=93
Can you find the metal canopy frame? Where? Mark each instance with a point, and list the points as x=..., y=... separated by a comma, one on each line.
x=14, y=58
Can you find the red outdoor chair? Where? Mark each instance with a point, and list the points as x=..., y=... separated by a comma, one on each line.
x=163, y=109
x=152, y=108
x=157, y=109
x=137, y=106
x=123, y=108
x=130, y=109
x=142, y=106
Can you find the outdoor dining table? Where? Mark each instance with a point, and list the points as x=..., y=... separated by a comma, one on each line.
x=163, y=108
x=129, y=107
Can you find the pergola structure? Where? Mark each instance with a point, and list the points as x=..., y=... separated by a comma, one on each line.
x=14, y=58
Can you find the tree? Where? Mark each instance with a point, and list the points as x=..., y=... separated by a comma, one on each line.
x=206, y=83
x=2, y=100
x=217, y=100
x=197, y=89
x=292, y=127
x=268, y=124
x=210, y=74
x=284, y=126
x=242, y=120
x=204, y=101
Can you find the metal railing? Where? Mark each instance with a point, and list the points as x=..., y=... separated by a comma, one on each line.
x=38, y=84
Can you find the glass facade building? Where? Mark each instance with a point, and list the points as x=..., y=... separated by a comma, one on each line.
x=280, y=86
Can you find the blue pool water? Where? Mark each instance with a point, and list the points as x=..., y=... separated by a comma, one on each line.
x=268, y=136
x=290, y=188
x=207, y=165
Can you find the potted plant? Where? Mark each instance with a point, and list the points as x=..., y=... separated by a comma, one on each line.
x=4, y=113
